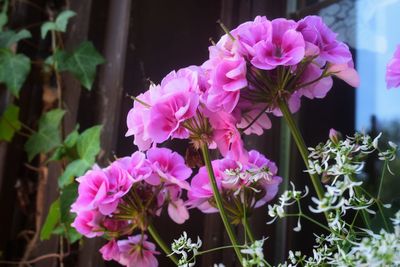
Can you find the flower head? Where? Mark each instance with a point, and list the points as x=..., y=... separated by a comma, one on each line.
x=393, y=70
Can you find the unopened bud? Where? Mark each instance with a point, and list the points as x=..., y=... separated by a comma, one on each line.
x=335, y=136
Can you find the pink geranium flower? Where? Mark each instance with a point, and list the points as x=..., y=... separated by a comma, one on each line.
x=227, y=79
x=169, y=113
x=286, y=47
x=92, y=190
x=138, y=119
x=136, y=251
x=345, y=72
x=201, y=189
x=246, y=112
x=226, y=136
x=317, y=89
x=248, y=34
x=102, y=189
x=268, y=180
x=110, y=251
x=320, y=38
x=136, y=165
x=168, y=167
x=88, y=223
x=393, y=70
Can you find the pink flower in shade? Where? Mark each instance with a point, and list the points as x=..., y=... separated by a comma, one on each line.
x=168, y=167
x=317, y=89
x=266, y=168
x=246, y=112
x=320, y=38
x=226, y=136
x=137, y=120
x=136, y=251
x=177, y=209
x=286, y=47
x=168, y=114
x=110, y=251
x=227, y=79
x=345, y=72
x=250, y=33
x=201, y=189
x=393, y=70
x=112, y=225
x=88, y=223
x=136, y=165
x=293, y=103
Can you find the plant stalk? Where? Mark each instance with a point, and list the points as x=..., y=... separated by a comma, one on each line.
x=218, y=200
x=154, y=234
x=247, y=228
x=287, y=115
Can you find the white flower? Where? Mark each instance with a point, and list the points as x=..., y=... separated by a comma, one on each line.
x=183, y=246
x=255, y=254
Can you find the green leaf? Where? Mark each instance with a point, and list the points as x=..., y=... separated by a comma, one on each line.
x=68, y=146
x=82, y=63
x=88, y=144
x=63, y=18
x=9, y=38
x=48, y=135
x=59, y=25
x=3, y=15
x=53, y=217
x=72, y=235
x=74, y=169
x=72, y=138
x=14, y=70
x=67, y=197
x=9, y=123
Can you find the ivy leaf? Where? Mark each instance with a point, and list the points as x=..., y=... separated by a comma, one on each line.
x=88, y=144
x=60, y=24
x=48, y=135
x=9, y=38
x=14, y=70
x=67, y=197
x=74, y=169
x=67, y=147
x=9, y=123
x=53, y=217
x=82, y=63
x=72, y=235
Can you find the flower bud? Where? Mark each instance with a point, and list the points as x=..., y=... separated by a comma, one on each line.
x=335, y=136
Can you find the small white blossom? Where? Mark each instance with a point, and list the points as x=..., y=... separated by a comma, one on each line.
x=254, y=253
x=184, y=246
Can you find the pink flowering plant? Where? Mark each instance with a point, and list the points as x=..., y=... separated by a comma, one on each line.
x=260, y=69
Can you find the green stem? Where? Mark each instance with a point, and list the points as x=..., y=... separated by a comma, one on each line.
x=302, y=148
x=381, y=180
x=246, y=226
x=218, y=200
x=154, y=234
x=364, y=213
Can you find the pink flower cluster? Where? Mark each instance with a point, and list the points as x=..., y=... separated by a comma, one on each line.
x=248, y=72
x=125, y=196
x=393, y=70
x=255, y=180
